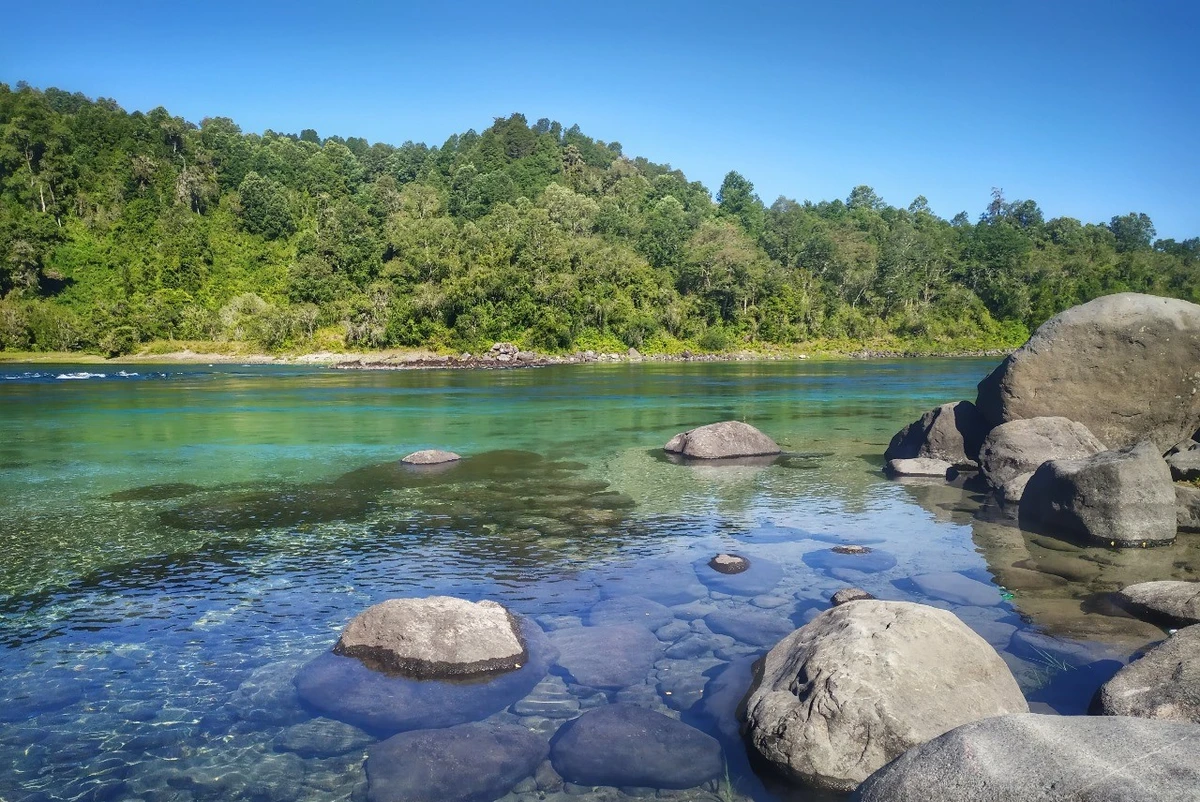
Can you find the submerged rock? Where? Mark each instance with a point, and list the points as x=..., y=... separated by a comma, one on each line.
x=838, y=558
x=322, y=737
x=725, y=440
x=1125, y=366
x=623, y=745
x=1116, y=498
x=434, y=638
x=1039, y=758
x=863, y=682
x=1013, y=451
x=1163, y=684
x=919, y=466
x=754, y=579
x=466, y=763
x=957, y=589
x=630, y=610
x=1187, y=508
x=951, y=433
x=430, y=457
x=344, y=689
x=607, y=657
x=1168, y=602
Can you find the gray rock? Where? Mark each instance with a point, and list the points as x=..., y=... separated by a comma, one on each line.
x=434, y=638
x=1164, y=683
x=1185, y=466
x=950, y=433
x=630, y=610
x=622, y=745
x=1019, y=447
x=919, y=466
x=1169, y=602
x=749, y=626
x=1115, y=498
x=322, y=737
x=1010, y=492
x=724, y=440
x=609, y=656
x=345, y=689
x=864, y=682
x=1187, y=508
x=729, y=563
x=1123, y=365
x=847, y=595
x=957, y=589
x=758, y=577
x=1040, y=758
x=430, y=457
x=466, y=763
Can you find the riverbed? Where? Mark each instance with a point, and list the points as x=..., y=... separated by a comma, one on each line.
x=180, y=540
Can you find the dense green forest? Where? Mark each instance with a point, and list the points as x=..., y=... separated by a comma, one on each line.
x=119, y=228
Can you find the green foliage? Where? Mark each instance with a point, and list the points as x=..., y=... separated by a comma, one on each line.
x=118, y=229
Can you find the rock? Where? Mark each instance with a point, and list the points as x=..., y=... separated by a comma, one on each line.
x=1020, y=446
x=920, y=466
x=724, y=440
x=749, y=626
x=623, y=745
x=1115, y=498
x=467, y=763
x=633, y=354
x=728, y=564
x=608, y=656
x=1185, y=466
x=430, y=457
x=1011, y=492
x=871, y=561
x=550, y=699
x=1041, y=758
x=847, y=595
x=345, y=689
x=864, y=682
x=757, y=578
x=957, y=589
x=322, y=737
x=630, y=610
x=434, y=638
x=1163, y=684
x=1126, y=366
x=1187, y=508
x=951, y=433
x=1173, y=603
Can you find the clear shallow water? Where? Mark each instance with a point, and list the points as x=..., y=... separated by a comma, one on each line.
x=179, y=543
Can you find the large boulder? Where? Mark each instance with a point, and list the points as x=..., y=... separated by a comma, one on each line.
x=467, y=763
x=1164, y=683
x=434, y=638
x=345, y=689
x=1114, y=498
x=725, y=440
x=1017, y=448
x=864, y=682
x=951, y=433
x=624, y=745
x=1127, y=366
x=1041, y=758
x=1169, y=602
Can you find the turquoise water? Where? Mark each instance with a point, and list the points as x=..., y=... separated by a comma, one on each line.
x=180, y=541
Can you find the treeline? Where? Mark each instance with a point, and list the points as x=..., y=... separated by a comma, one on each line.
x=120, y=228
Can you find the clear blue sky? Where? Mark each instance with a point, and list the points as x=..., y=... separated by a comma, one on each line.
x=1090, y=107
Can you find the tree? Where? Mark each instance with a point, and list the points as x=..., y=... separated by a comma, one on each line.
x=736, y=199
x=1134, y=232
x=264, y=207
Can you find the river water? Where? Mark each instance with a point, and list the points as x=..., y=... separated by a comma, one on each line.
x=180, y=541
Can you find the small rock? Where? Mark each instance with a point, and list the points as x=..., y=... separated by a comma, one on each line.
x=919, y=466
x=729, y=564
x=725, y=440
x=846, y=595
x=430, y=457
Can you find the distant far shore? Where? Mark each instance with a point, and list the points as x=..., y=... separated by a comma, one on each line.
x=500, y=356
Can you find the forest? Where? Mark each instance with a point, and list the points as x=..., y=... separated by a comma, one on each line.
x=119, y=230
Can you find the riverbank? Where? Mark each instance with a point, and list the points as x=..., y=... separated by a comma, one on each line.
x=501, y=355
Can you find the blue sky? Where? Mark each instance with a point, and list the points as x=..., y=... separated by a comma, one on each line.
x=1089, y=108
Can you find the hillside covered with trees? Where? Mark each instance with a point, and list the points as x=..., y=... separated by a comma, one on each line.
x=118, y=229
